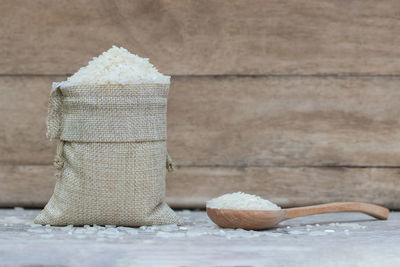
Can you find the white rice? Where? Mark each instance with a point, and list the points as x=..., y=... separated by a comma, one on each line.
x=117, y=66
x=241, y=201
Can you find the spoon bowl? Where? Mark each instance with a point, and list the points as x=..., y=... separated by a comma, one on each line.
x=265, y=219
x=246, y=219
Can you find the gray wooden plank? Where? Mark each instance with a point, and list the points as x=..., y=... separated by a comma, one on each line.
x=281, y=121
x=190, y=187
x=356, y=240
x=204, y=37
x=239, y=121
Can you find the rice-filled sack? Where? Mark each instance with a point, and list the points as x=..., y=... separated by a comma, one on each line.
x=111, y=122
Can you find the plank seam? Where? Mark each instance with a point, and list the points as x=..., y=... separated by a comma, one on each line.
x=240, y=166
x=267, y=75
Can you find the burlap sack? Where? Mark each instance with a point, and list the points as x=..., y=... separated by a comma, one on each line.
x=111, y=158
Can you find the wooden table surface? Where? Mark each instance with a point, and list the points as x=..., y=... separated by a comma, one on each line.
x=341, y=239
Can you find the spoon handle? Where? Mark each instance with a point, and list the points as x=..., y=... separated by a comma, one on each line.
x=370, y=209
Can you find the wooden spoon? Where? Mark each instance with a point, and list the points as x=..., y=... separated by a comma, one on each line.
x=264, y=219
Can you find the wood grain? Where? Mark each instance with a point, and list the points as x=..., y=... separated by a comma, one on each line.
x=189, y=187
x=340, y=239
x=204, y=37
x=266, y=219
x=274, y=121
x=23, y=111
x=375, y=211
x=26, y=186
x=238, y=121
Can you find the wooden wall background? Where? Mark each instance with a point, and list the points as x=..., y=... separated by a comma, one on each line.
x=296, y=101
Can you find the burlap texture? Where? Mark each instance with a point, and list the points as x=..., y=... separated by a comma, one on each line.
x=113, y=156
